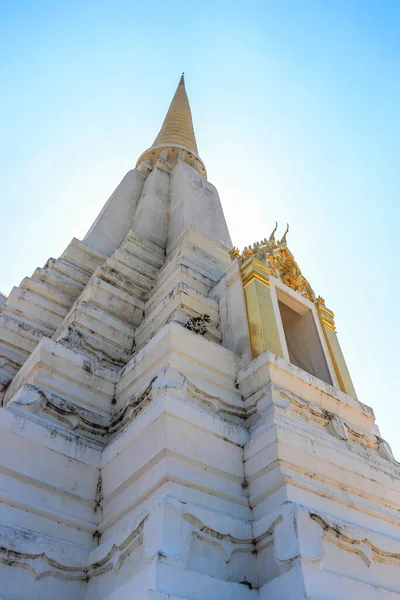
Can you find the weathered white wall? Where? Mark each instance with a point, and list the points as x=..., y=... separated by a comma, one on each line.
x=151, y=217
x=114, y=221
x=141, y=460
x=232, y=312
x=195, y=202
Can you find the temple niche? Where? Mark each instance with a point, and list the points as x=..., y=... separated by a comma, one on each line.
x=177, y=418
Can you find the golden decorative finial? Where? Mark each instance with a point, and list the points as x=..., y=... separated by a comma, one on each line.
x=283, y=241
x=280, y=262
x=177, y=128
x=176, y=137
x=271, y=239
x=234, y=253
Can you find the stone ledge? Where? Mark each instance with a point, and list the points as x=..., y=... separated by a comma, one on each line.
x=268, y=368
x=67, y=373
x=175, y=346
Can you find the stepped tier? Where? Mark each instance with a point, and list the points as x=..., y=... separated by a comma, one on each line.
x=178, y=421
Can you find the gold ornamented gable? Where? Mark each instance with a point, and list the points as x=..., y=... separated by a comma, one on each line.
x=271, y=258
x=284, y=267
x=280, y=262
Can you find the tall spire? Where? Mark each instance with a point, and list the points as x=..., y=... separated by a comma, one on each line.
x=176, y=137
x=178, y=125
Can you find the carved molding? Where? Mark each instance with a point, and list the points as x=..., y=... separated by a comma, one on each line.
x=131, y=408
x=339, y=428
x=267, y=538
x=42, y=403
x=283, y=266
x=186, y=388
x=334, y=424
x=76, y=340
x=172, y=380
x=40, y=565
x=364, y=548
x=225, y=542
x=8, y=369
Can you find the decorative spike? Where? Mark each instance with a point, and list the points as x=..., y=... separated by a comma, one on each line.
x=271, y=239
x=283, y=241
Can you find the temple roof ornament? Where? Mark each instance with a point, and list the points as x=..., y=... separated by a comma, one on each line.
x=280, y=262
x=176, y=138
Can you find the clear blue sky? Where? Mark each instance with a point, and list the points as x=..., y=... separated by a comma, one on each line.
x=296, y=111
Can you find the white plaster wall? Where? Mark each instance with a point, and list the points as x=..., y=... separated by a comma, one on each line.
x=195, y=202
x=192, y=472
x=114, y=221
x=151, y=217
x=232, y=312
x=323, y=485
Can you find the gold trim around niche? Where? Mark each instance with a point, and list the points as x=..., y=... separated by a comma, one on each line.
x=328, y=324
x=261, y=318
x=271, y=258
x=325, y=323
x=252, y=269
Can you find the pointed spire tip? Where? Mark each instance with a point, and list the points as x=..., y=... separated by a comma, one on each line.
x=176, y=136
